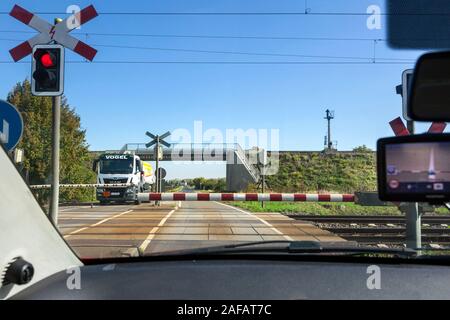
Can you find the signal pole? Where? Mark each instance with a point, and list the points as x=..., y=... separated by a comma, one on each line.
x=56, y=137
x=412, y=213
x=329, y=117
x=157, y=167
x=157, y=141
x=56, y=128
x=413, y=218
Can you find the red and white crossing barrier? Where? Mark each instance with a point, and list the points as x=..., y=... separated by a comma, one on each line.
x=110, y=185
x=293, y=197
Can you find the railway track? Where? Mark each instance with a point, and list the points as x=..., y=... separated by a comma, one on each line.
x=388, y=230
x=426, y=219
x=397, y=240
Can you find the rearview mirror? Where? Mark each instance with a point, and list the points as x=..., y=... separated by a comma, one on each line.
x=417, y=24
x=430, y=90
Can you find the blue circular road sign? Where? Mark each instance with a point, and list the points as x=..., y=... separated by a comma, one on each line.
x=11, y=125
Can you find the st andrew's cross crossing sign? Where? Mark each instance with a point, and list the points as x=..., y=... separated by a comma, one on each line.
x=47, y=78
x=49, y=32
x=158, y=139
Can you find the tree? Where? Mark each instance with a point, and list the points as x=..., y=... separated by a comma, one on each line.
x=199, y=183
x=362, y=149
x=221, y=185
x=36, y=143
x=212, y=184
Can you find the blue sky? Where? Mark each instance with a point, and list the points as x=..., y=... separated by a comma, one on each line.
x=119, y=103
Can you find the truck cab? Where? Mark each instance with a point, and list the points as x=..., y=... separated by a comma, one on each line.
x=125, y=170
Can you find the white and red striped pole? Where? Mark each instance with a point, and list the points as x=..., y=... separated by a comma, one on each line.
x=290, y=197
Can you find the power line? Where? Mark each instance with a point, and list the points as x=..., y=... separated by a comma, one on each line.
x=241, y=53
x=230, y=37
x=15, y=31
x=233, y=62
x=248, y=53
x=233, y=37
x=208, y=36
x=7, y=39
x=286, y=13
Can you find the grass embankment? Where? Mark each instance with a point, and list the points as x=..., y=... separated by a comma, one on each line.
x=318, y=172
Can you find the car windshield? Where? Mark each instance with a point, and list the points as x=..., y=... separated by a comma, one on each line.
x=249, y=121
x=116, y=166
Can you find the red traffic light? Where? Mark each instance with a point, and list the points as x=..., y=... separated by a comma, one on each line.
x=47, y=72
x=47, y=60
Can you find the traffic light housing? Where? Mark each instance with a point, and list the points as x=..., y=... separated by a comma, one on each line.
x=47, y=78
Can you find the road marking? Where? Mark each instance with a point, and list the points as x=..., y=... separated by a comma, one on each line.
x=65, y=209
x=96, y=224
x=152, y=233
x=69, y=208
x=260, y=219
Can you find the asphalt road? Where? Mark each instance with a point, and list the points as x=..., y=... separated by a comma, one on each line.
x=131, y=230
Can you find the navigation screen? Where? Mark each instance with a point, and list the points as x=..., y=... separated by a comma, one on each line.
x=418, y=167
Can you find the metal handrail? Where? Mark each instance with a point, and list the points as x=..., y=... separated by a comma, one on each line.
x=241, y=154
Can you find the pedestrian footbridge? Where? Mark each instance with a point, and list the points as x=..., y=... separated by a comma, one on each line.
x=241, y=165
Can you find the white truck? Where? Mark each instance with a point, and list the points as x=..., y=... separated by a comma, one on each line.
x=126, y=169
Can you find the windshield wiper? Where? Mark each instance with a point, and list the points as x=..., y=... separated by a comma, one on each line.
x=292, y=247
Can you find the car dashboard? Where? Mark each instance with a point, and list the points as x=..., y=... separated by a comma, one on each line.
x=247, y=279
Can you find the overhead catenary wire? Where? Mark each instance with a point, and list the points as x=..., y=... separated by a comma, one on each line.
x=254, y=13
x=249, y=53
x=200, y=36
x=231, y=62
x=243, y=53
x=245, y=37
